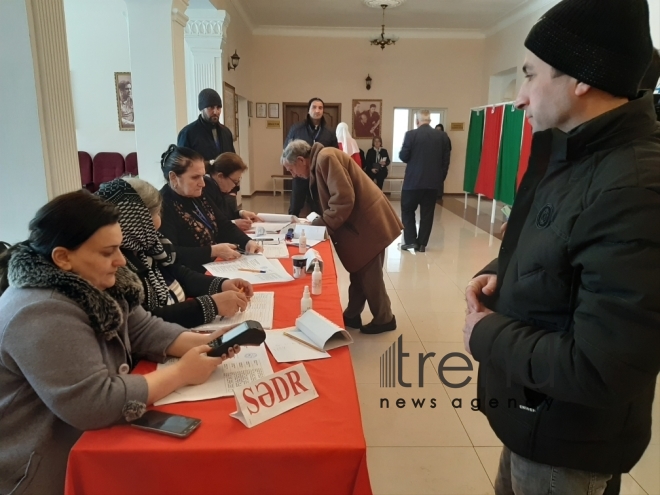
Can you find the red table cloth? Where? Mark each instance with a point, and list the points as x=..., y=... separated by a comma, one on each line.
x=317, y=448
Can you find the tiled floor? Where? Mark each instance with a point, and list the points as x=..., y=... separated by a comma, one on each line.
x=443, y=449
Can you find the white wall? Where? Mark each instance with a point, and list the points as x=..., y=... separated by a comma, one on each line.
x=97, y=33
x=23, y=186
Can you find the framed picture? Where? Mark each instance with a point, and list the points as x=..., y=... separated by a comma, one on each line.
x=250, y=108
x=229, y=109
x=124, y=92
x=367, y=118
x=261, y=110
x=273, y=110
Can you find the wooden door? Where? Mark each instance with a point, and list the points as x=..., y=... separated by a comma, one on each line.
x=295, y=112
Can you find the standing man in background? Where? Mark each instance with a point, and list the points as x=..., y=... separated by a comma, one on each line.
x=207, y=136
x=426, y=154
x=311, y=130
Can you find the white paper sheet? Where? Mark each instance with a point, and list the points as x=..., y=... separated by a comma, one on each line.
x=277, y=217
x=273, y=269
x=273, y=251
x=286, y=350
x=260, y=308
x=312, y=232
x=249, y=365
x=271, y=227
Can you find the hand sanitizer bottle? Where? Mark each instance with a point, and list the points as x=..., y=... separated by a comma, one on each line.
x=317, y=278
x=302, y=243
x=306, y=301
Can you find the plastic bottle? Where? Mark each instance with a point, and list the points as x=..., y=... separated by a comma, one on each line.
x=302, y=243
x=317, y=278
x=306, y=301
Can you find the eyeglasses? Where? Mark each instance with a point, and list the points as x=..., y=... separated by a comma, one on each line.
x=236, y=182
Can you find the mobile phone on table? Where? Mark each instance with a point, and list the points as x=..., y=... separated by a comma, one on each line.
x=249, y=332
x=167, y=424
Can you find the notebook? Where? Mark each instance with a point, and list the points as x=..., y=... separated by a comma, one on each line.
x=318, y=332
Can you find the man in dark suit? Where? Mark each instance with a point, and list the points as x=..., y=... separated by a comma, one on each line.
x=207, y=135
x=426, y=154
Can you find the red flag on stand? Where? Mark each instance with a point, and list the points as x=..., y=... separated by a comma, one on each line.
x=490, y=153
x=525, y=152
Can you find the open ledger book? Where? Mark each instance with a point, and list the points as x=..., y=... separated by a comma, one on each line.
x=318, y=332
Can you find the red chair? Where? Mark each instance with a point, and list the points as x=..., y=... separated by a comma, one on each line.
x=107, y=166
x=85, y=163
x=132, y=163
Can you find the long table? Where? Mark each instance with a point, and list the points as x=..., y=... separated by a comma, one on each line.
x=317, y=448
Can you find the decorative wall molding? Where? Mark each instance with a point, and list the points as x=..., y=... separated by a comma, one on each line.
x=178, y=12
x=519, y=13
x=204, y=28
x=365, y=33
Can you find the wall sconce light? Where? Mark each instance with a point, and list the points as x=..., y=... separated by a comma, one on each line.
x=234, y=61
x=368, y=80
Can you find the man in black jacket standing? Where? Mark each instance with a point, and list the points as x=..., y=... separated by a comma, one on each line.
x=312, y=130
x=426, y=153
x=565, y=322
x=207, y=135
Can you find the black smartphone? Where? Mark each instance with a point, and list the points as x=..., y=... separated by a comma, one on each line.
x=249, y=332
x=167, y=424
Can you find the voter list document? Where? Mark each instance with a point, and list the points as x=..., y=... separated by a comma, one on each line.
x=260, y=308
x=250, y=364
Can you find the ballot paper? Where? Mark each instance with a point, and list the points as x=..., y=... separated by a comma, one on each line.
x=312, y=232
x=250, y=364
x=277, y=217
x=273, y=271
x=287, y=350
x=260, y=308
x=273, y=251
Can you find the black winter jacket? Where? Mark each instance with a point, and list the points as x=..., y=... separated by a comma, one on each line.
x=304, y=130
x=198, y=135
x=572, y=352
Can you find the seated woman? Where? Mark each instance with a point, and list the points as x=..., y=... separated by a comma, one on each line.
x=224, y=176
x=149, y=255
x=191, y=220
x=378, y=161
x=70, y=318
x=347, y=144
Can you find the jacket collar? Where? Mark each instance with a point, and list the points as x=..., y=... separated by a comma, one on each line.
x=28, y=269
x=207, y=125
x=610, y=130
x=311, y=124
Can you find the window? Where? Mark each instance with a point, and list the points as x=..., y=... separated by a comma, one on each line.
x=404, y=121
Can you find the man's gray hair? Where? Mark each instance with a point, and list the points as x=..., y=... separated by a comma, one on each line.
x=424, y=116
x=293, y=150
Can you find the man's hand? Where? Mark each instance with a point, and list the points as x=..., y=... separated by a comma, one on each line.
x=483, y=284
x=471, y=320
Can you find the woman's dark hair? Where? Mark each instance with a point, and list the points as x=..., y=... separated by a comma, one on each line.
x=67, y=221
x=177, y=159
x=373, y=141
x=226, y=164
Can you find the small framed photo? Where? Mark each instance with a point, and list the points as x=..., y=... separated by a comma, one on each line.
x=124, y=92
x=367, y=118
x=273, y=110
x=261, y=110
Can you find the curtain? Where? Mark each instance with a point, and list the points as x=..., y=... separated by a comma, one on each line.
x=525, y=152
x=507, y=166
x=485, y=184
x=473, y=153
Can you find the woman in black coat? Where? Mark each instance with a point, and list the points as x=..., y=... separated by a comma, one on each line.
x=171, y=291
x=192, y=221
x=377, y=162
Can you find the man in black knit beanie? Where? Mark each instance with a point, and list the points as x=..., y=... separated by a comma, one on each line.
x=565, y=322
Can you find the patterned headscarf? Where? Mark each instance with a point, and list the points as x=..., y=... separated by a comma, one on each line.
x=140, y=236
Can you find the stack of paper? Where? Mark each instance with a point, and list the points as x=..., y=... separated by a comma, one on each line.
x=317, y=332
x=260, y=308
x=250, y=364
x=273, y=251
x=256, y=269
x=269, y=227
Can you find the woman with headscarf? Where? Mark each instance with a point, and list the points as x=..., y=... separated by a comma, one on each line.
x=167, y=284
x=377, y=162
x=347, y=144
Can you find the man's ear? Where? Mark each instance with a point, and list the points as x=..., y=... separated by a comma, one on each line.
x=61, y=258
x=582, y=89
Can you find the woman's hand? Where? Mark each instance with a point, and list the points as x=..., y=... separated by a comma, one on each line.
x=229, y=303
x=195, y=366
x=253, y=247
x=243, y=224
x=225, y=251
x=236, y=284
x=249, y=215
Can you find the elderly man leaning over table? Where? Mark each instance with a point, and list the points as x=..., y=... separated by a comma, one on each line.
x=360, y=221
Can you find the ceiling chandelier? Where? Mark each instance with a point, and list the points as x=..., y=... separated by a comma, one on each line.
x=382, y=41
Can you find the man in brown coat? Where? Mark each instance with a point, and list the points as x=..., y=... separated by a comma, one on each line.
x=360, y=221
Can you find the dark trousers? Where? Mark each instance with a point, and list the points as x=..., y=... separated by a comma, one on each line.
x=299, y=193
x=410, y=200
x=379, y=176
x=367, y=285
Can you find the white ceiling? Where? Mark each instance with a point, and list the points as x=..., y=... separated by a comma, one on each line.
x=480, y=15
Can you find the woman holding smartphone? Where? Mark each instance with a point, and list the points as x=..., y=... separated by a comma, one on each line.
x=70, y=319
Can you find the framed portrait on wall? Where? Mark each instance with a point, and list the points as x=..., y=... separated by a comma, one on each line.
x=367, y=118
x=124, y=93
x=261, y=110
x=229, y=109
x=273, y=110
